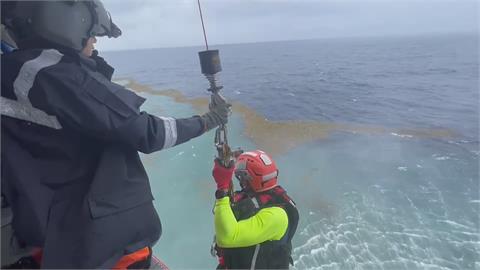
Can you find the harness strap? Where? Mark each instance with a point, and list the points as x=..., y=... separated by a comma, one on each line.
x=255, y=202
x=255, y=255
x=132, y=258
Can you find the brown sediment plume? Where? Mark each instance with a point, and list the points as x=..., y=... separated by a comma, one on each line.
x=278, y=137
x=200, y=104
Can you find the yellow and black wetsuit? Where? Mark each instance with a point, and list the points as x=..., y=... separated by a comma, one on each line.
x=268, y=224
x=258, y=239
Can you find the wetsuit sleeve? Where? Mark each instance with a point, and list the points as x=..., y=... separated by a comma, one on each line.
x=109, y=112
x=268, y=224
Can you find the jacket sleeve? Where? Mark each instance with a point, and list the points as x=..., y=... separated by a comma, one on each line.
x=268, y=224
x=108, y=111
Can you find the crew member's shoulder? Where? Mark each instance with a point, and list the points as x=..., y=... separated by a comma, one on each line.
x=275, y=219
x=41, y=57
x=275, y=212
x=47, y=64
x=57, y=65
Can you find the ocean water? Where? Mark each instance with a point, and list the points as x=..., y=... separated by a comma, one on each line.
x=368, y=200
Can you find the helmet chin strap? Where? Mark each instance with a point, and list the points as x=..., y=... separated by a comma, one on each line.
x=244, y=184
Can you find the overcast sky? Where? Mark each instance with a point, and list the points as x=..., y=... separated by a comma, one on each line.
x=172, y=23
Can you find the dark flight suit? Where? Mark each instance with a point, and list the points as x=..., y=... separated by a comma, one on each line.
x=69, y=158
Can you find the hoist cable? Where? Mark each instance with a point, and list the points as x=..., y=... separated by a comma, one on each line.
x=203, y=25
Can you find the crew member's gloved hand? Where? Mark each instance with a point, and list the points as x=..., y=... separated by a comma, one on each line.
x=102, y=65
x=222, y=175
x=218, y=114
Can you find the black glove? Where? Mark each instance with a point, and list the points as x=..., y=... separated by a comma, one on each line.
x=218, y=114
x=102, y=65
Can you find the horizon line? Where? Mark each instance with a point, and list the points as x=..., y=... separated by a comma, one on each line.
x=430, y=34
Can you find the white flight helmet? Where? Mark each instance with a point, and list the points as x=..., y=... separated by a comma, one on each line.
x=66, y=23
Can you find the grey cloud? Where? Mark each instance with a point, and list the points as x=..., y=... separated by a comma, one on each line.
x=166, y=23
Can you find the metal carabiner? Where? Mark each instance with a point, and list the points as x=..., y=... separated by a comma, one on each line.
x=221, y=143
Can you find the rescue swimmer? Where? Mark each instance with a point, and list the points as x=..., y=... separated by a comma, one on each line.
x=70, y=139
x=254, y=229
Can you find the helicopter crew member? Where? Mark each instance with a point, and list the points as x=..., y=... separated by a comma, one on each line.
x=70, y=139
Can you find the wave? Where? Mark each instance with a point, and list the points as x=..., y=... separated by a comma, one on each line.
x=368, y=235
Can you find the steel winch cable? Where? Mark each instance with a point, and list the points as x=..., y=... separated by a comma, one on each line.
x=203, y=25
x=210, y=64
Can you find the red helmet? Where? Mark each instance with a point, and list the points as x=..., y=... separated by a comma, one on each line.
x=258, y=169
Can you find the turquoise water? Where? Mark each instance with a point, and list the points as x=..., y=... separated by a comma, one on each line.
x=385, y=203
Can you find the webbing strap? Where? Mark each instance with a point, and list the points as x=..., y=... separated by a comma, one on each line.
x=255, y=255
x=129, y=259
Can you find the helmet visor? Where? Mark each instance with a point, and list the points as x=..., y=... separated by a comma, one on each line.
x=242, y=175
x=102, y=22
